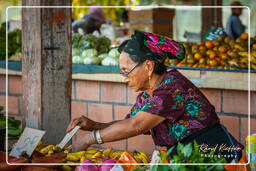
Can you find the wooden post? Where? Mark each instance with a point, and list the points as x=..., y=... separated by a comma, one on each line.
x=46, y=67
x=211, y=17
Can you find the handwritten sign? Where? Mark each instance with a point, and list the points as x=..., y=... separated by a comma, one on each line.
x=27, y=142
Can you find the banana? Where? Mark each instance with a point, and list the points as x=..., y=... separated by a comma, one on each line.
x=115, y=154
x=39, y=146
x=46, y=149
x=50, y=152
x=137, y=158
x=79, y=154
x=91, y=151
x=98, y=154
x=71, y=157
x=106, y=152
x=57, y=148
x=68, y=147
x=66, y=151
x=144, y=157
x=88, y=156
x=66, y=168
x=82, y=159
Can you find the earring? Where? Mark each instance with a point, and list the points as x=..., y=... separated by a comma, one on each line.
x=149, y=80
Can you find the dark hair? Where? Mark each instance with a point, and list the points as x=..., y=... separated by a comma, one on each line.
x=235, y=3
x=159, y=68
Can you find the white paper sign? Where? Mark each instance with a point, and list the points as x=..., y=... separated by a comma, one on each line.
x=27, y=142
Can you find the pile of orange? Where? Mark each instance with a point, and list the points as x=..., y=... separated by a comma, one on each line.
x=223, y=53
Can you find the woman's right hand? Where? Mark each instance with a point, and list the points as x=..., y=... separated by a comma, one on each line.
x=84, y=122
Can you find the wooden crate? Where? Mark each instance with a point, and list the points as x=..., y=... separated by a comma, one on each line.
x=158, y=20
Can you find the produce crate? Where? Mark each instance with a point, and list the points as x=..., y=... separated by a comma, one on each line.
x=158, y=20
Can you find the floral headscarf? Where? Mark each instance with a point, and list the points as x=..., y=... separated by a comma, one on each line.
x=150, y=46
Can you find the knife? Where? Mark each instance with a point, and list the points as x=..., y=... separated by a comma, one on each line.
x=68, y=136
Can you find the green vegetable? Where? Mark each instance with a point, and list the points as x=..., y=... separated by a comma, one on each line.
x=75, y=52
x=103, y=55
x=14, y=42
x=77, y=59
x=92, y=60
x=189, y=154
x=13, y=124
x=108, y=61
x=114, y=53
x=89, y=53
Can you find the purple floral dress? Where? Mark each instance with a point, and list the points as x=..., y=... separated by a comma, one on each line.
x=178, y=100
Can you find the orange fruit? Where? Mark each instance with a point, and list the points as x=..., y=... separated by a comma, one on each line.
x=213, y=63
x=209, y=44
x=202, y=61
x=197, y=56
x=216, y=43
x=223, y=49
x=218, y=60
x=200, y=43
x=179, y=64
x=244, y=36
x=224, y=56
x=212, y=55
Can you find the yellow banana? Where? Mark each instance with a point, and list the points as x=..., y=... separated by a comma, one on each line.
x=68, y=147
x=98, y=154
x=88, y=156
x=56, y=148
x=79, y=154
x=115, y=154
x=106, y=152
x=71, y=157
x=144, y=157
x=66, y=151
x=66, y=168
x=91, y=151
x=46, y=149
x=82, y=159
x=50, y=152
x=39, y=146
x=137, y=158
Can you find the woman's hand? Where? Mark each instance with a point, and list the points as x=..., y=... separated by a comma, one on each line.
x=84, y=122
x=83, y=142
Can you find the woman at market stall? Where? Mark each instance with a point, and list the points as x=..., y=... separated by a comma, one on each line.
x=169, y=107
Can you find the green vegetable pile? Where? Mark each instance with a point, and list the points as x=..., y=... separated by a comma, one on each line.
x=92, y=50
x=14, y=42
x=13, y=124
x=89, y=41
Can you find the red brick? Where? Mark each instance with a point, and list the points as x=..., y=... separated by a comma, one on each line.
x=235, y=102
x=121, y=111
x=73, y=90
x=2, y=83
x=118, y=145
x=244, y=128
x=87, y=90
x=15, y=84
x=253, y=102
x=214, y=96
x=13, y=104
x=113, y=92
x=78, y=109
x=100, y=112
x=232, y=125
x=142, y=143
x=132, y=96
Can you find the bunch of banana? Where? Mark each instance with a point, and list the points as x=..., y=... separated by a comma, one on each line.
x=141, y=157
x=115, y=154
x=75, y=157
x=106, y=152
x=39, y=146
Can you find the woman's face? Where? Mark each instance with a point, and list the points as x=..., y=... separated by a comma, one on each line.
x=138, y=75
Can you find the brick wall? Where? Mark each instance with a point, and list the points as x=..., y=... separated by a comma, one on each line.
x=108, y=101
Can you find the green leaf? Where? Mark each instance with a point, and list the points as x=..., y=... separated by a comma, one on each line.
x=164, y=167
x=180, y=147
x=187, y=150
x=155, y=168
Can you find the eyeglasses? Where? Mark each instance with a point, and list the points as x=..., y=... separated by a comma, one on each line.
x=125, y=74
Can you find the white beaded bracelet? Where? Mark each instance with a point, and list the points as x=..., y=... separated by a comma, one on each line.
x=98, y=137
